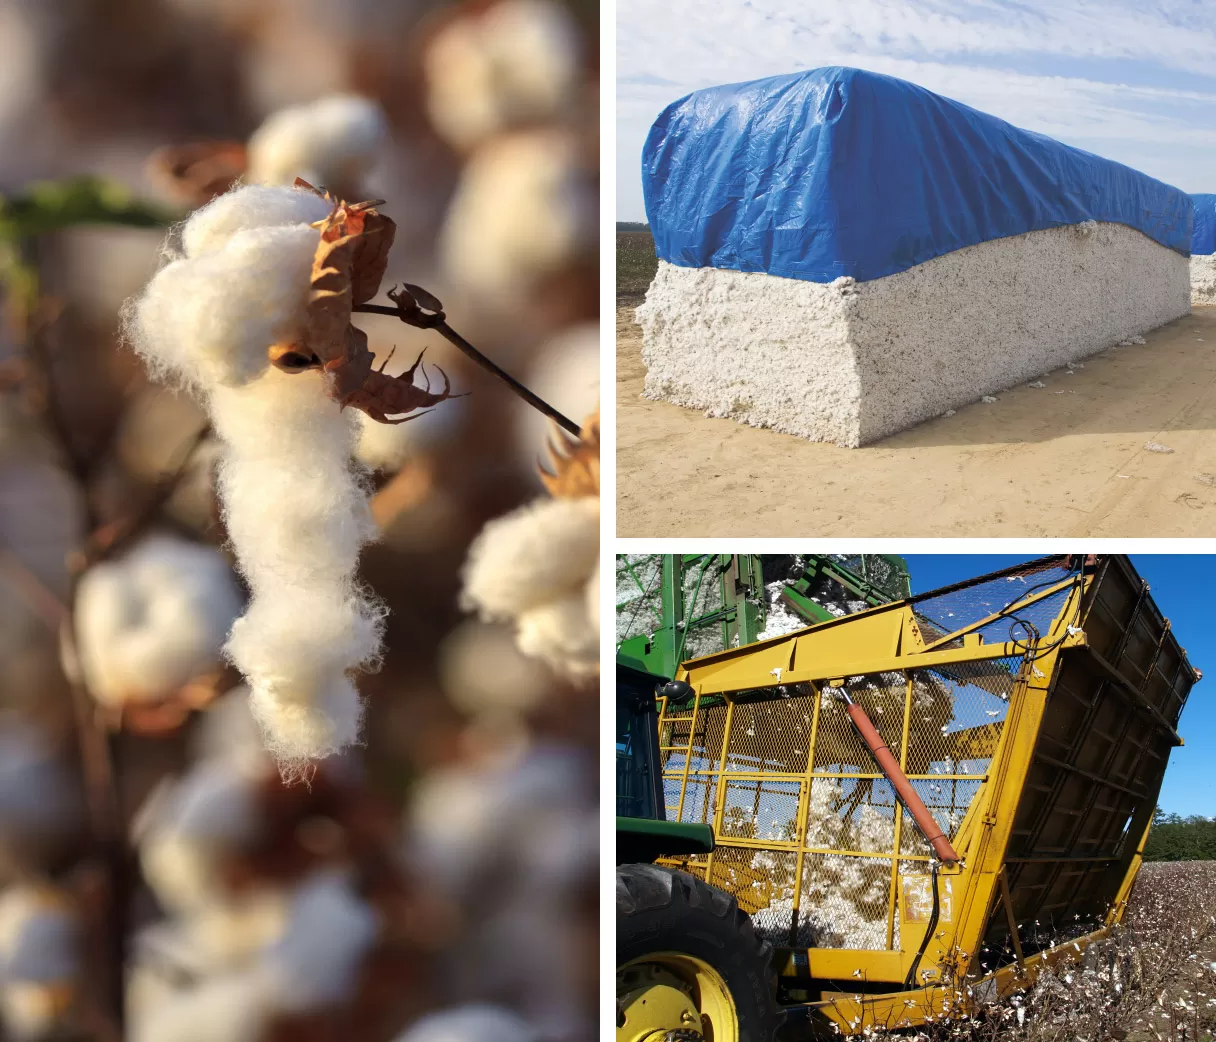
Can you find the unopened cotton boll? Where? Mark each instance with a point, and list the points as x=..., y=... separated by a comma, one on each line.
x=152, y=620
x=334, y=141
x=524, y=209
x=475, y=1022
x=516, y=63
x=295, y=504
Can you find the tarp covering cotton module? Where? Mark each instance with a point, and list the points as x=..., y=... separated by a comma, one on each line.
x=1204, y=241
x=841, y=172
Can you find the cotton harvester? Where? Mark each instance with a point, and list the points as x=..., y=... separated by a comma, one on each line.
x=889, y=815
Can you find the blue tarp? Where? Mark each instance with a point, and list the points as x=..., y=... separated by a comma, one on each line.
x=844, y=172
x=1204, y=240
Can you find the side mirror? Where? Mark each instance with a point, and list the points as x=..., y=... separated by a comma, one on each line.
x=674, y=691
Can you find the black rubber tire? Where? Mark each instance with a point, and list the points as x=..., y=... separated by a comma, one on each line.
x=662, y=910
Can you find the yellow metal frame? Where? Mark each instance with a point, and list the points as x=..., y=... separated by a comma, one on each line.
x=890, y=640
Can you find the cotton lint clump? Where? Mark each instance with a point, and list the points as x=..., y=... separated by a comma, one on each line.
x=252, y=312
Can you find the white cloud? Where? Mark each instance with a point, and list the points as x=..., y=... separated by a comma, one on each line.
x=1129, y=80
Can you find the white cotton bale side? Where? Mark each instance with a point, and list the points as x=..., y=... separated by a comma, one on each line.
x=1203, y=278
x=852, y=362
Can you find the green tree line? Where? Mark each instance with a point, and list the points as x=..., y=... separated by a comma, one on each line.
x=1175, y=838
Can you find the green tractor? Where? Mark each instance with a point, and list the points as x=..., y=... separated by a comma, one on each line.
x=690, y=965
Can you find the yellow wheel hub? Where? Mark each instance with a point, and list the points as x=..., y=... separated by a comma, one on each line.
x=673, y=997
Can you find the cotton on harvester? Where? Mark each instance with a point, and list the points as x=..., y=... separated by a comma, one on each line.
x=892, y=815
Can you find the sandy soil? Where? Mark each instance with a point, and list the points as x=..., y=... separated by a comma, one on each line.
x=1065, y=460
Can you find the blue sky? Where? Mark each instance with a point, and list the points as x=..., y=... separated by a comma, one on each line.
x=1133, y=80
x=1184, y=587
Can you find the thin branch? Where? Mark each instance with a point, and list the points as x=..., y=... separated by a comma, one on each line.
x=113, y=536
x=438, y=322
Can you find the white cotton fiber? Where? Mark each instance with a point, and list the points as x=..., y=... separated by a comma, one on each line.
x=516, y=63
x=334, y=141
x=532, y=556
x=154, y=619
x=471, y=1023
x=230, y=1008
x=1203, y=278
x=561, y=634
x=295, y=504
x=187, y=826
x=329, y=930
x=524, y=209
x=39, y=959
x=299, y=529
x=211, y=227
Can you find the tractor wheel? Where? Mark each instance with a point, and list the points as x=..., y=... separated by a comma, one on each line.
x=690, y=967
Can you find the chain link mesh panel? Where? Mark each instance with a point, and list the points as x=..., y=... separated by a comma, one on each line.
x=751, y=781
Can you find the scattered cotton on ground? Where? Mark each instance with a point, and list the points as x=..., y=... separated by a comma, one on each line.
x=853, y=362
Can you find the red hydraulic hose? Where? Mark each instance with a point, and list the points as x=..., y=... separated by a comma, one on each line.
x=895, y=775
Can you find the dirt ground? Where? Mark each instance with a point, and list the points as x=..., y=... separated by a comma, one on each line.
x=1065, y=460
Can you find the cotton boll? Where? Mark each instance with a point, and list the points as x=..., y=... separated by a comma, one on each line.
x=566, y=374
x=482, y=671
x=228, y=732
x=560, y=633
x=188, y=826
x=334, y=141
x=471, y=1023
x=152, y=620
x=542, y=552
x=524, y=209
x=210, y=318
x=295, y=505
x=329, y=930
x=517, y=63
x=235, y=1007
x=39, y=959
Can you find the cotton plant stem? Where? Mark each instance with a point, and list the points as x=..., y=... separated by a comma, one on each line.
x=449, y=334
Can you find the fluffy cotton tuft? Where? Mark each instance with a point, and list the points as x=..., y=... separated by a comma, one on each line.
x=294, y=503
x=471, y=1023
x=334, y=141
x=232, y=1008
x=524, y=209
x=517, y=63
x=238, y=285
x=532, y=567
x=565, y=373
x=150, y=621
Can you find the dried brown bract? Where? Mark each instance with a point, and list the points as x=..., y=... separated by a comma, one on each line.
x=198, y=172
x=347, y=270
x=574, y=465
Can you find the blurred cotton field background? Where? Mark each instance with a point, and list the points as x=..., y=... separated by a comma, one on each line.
x=159, y=880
